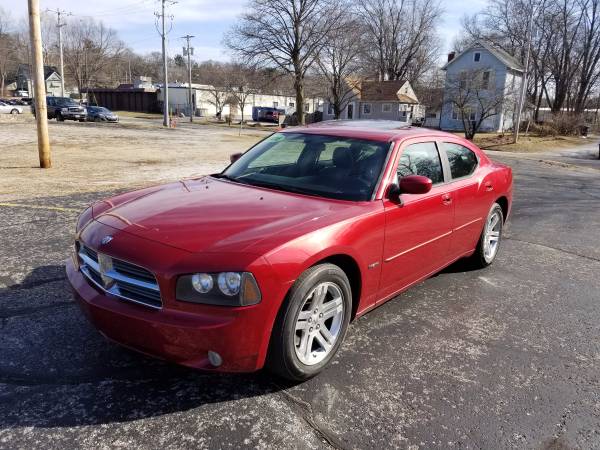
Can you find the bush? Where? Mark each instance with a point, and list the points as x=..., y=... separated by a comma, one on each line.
x=567, y=124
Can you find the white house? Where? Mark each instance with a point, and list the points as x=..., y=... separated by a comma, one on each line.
x=25, y=83
x=202, y=98
x=499, y=76
x=391, y=100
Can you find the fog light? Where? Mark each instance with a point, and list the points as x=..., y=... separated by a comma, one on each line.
x=214, y=358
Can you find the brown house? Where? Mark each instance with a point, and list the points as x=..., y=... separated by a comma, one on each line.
x=381, y=100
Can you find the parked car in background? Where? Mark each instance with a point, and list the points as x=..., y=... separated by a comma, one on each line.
x=100, y=114
x=64, y=108
x=6, y=108
x=267, y=262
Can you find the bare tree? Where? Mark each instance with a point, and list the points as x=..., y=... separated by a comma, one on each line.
x=400, y=38
x=474, y=98
x=89, y=48
x=286, y=34
x=215, y=74
x=339, y=65
x=7, y=49
x=565, y=46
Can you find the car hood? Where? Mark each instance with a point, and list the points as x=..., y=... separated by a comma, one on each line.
x=211, y=215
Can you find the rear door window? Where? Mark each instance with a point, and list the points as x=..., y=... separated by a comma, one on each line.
x=463, y=161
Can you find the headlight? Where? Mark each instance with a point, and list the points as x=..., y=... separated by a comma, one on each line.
x=64, y=109
x=229, y=283
x=224, y=288
x=202, y=282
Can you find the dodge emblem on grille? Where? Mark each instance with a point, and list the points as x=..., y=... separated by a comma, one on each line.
x=106, y=239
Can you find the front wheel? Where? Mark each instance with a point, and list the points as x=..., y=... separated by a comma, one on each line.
x=489, y=241
x=14, y=111
x=312, y=323
x=59, y=117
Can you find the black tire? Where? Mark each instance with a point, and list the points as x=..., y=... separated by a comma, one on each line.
x=479, y=259
x=59, y=117
x=82, y=120
x=282, y=358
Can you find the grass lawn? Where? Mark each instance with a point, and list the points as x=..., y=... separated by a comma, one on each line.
x=529, y=144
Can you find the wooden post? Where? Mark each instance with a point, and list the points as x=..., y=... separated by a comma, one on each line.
x=41, y=113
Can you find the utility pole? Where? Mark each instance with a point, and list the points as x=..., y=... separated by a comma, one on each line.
x=163, y=34
x=59, y=25
x=189, y=51
x=41, y=113
x=523, y=93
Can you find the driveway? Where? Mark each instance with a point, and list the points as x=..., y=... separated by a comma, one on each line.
x=503, y=357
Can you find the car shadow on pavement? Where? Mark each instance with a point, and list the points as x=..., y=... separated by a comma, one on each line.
x=56, y=370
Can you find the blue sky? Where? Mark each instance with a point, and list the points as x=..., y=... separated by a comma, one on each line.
x=207, y=20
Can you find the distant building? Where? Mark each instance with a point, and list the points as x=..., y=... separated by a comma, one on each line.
x=24, y=81
x=497, y=72
x=204, y=104
x=391, y=100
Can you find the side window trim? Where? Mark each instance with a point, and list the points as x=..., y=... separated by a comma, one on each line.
x=446, y=162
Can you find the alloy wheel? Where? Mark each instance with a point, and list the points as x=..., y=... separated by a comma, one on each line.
x=319, y=323
x=491, y=238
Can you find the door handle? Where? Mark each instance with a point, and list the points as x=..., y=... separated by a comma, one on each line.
x=489, y=186
x=446, y=199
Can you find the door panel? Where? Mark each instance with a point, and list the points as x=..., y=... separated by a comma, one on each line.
x=418, y=231
x=470, y=205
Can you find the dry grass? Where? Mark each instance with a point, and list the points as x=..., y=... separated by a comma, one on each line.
x=91, y=157
x=526, y=144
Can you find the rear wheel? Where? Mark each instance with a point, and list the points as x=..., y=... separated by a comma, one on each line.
x=312, y=323
x=489, y=241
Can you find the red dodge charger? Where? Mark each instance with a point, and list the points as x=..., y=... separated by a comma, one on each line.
x=268, y=262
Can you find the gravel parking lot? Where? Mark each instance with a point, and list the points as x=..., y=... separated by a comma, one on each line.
x=506, y=357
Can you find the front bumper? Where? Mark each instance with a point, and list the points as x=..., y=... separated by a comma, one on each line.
x=178, y=336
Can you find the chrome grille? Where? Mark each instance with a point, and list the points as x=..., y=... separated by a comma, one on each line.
x=119, y=278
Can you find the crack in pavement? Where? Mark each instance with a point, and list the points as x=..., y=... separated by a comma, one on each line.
x=325, y=435
x=591, y=258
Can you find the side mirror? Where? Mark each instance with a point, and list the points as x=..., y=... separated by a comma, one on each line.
x=234, y=157
x=415, y=184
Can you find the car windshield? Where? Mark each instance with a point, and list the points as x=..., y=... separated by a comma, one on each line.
x=66, y=101
x=326, y=166
x=98, y=109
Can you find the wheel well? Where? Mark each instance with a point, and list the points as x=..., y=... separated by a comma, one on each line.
x=503, y=202
x=350, y=268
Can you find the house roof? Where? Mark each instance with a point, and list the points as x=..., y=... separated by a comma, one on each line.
x=48, y=70
x=507, y=59
x=382, y=91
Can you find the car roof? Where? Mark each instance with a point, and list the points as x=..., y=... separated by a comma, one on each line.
x=376, y=130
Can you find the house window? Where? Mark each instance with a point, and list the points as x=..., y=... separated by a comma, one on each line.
x=275, y=104
x=366, y=108
x=455, y=113
x=306, y=107
x=292, y=104
x=485, y=80
x=387, y=107
x=477, y=56
x=330, y=109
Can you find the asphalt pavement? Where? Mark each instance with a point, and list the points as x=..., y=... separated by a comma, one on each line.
x=505, y=357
